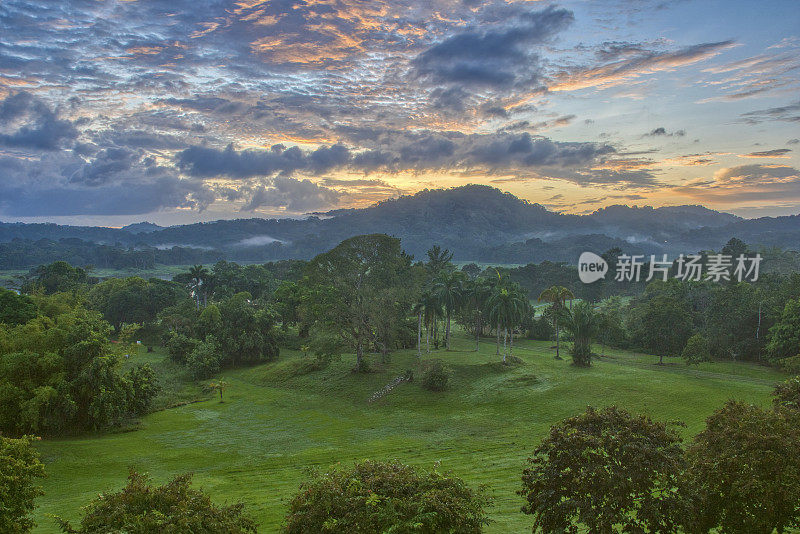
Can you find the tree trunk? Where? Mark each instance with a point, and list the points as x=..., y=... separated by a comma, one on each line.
x=511, y=343
x=498, y=339
x=558, y=355
x=359, y=355
x=428, y=339
x=447, y=332
x=505, y=335
x=419, y=336
x=477, y=334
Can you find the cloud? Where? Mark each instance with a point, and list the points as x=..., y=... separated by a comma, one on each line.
x=661, y=131
x=776, y=153
x=27, y=122
x=633, y=66
x=787, y=113
x=292, y=194
x=746, y=183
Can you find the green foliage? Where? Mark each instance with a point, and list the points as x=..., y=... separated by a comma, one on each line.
x=134, y=300
x=784, y=336
x=790, y=365
x=16, y=309
x=19, y=469
x=581, y=322
x=180, y=347
x=696, y=350
x=540, y=329
x=744, y=472
x=661, y=320
x=435, y=375
x=59, y=374
x=204, y=361
x=143, y=388
x=732, y=321
x=606, y=471
x=140, y=508
x=386, y=497
x=56, y=277
x=787, y=394
x=246, y=334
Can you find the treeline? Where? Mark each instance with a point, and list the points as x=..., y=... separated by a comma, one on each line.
x=605, y=470
x=23, y=253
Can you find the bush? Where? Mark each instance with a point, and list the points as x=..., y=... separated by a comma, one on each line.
x=204, y=361
x=790, y=365
x=173, y=507
x=696, y=350
x=386, y=497
x=180, y=347
x=19, y=468
x=744, y=471
x=435, y=375
x=607, y=471
x=541, y=329
x=787, y=394
x=144, y=388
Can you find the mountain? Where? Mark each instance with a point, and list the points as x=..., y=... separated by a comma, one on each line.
x=476, y=222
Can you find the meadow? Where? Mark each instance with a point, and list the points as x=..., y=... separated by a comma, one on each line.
x=276, y=424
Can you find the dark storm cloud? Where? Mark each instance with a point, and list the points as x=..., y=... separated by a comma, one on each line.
x=292, y=194
x=28, y=122
x=496, y=58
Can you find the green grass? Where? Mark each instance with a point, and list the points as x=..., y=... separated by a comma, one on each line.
x=257, y=446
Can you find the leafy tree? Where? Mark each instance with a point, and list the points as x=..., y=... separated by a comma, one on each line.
x=19, y=468
x=246, y=333
x=784, y=336
x=143, y=388
x=218, y=385
x=606, y=471
x=732, y=321
x=580, y=321
x=16, y=309
x=56, y=277
x=438, y=260
x=140, y=508
x=346, y=281
x=386, y=497
x=179, y=347
x=661, y=320
x=744, y=472
x=696, y=350
x=435, y=375
x=471, y=270
x=205, y=360
x=556, y=296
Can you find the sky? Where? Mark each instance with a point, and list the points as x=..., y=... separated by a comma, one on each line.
x=177, y=111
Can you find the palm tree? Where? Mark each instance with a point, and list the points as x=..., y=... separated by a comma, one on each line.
x=507, y=307
x=476, y=294
x=429, y=310
x=582, y=322
x=448, y=289
x=218, y=385
x=556, y=296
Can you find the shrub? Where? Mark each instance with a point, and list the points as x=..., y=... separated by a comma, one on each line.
x=386, y=497
x=204, y=361
x=19, y=468
x=607, y=471
x=180, y=347
x=541, y=329
x=744, y=471
x=144, y=388
x=435, y=375
x=696, y=350
x=787, y=394
x=790, y=365
x=173, y=507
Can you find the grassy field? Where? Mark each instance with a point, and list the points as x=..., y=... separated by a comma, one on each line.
x=258, y=445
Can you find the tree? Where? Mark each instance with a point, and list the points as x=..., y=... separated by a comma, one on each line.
x=16, y=309
x=438, y=260
x=346, y=281
x=605, y=470
x=448, y=288
x=57, y=277
x=198, y=275
x=246, y=333
x=141, y=508
x=508, y=306
x=386, y=497
x=661, y=320
x=696, y=350
x=19, y=468
x=581, y=322
x=218, y=385
x=744, y=472
x=556, y=296
x=784, y=336
x=787, y=394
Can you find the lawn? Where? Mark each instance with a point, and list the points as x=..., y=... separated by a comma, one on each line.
x=258, y=445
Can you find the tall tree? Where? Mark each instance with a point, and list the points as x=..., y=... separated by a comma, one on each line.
x=581, y=321
x=508, y=306
x=557, y=297
x=448, y=287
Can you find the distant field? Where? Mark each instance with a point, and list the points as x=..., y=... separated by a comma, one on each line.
x=8, y=276
x=258, y=444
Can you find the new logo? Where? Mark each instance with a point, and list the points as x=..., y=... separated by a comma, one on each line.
x=591, y=267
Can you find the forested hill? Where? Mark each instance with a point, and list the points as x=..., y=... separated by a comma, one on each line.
x=477, y=222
